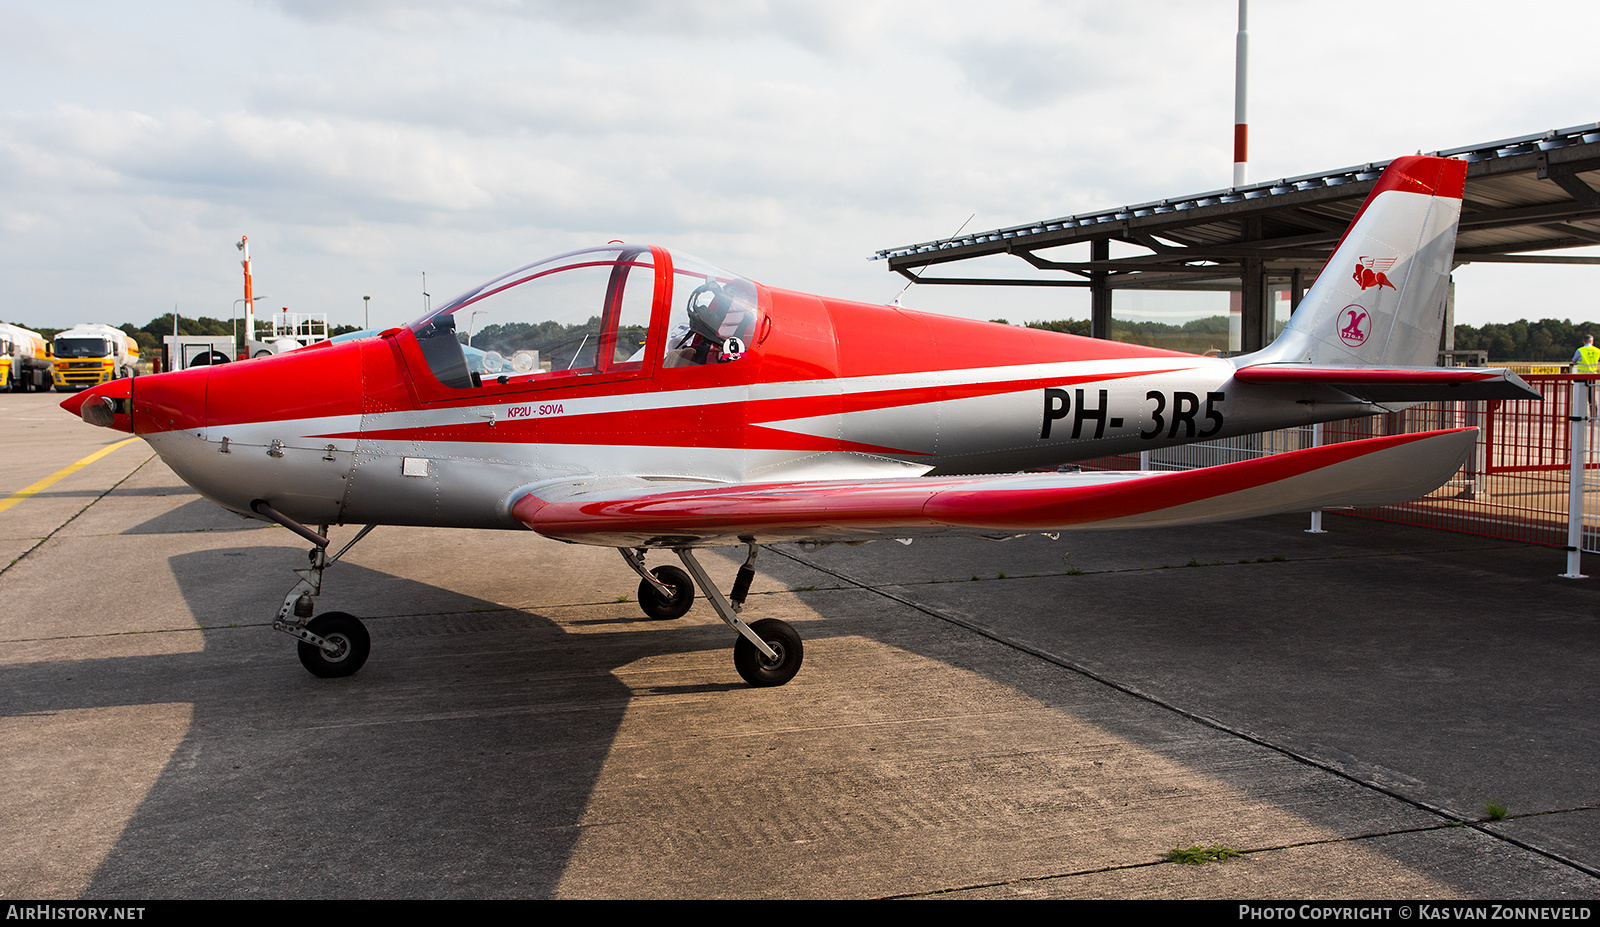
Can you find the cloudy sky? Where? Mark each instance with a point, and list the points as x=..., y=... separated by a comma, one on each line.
x=362, y=143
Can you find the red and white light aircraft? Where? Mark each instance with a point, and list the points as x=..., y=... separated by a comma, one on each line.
x=637, y=398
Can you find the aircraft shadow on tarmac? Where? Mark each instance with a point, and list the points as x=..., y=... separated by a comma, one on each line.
x=461, y=760
x=457, y=763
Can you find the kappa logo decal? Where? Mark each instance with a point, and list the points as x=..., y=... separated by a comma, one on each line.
x=1371, y=272
x=1357, y=323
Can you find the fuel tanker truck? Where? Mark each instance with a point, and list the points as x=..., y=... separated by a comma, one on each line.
x=24, y=362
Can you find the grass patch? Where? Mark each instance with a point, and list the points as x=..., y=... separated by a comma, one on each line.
x=1496, y=811
x=1198, y=855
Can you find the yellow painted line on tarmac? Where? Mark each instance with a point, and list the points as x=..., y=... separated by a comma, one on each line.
x=59, y=475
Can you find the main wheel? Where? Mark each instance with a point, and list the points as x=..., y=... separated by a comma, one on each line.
x=754, y=665
x=682, y=594
x=345, y=632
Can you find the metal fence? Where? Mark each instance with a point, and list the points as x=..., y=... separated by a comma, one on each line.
x=1516, y=486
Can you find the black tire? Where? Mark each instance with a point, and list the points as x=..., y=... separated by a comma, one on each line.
x=754, y=666
x=344, y=630
x=666, y=609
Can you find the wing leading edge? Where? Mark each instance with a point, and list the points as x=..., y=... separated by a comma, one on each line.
x=1375, y=471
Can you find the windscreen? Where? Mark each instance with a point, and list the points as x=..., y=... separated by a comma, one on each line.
x=578, y=314
x=82, y=347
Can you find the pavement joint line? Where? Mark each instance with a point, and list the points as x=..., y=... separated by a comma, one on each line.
x=1256, y=851
x=74, y=517
x=983, y=631
x=1082, y=572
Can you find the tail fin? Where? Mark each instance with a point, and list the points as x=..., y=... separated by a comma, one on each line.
x=1379, y=301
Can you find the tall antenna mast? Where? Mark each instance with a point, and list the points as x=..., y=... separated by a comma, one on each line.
x=249, y=293
x=1241, y=127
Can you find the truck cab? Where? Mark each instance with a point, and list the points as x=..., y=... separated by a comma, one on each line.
x=89, y=354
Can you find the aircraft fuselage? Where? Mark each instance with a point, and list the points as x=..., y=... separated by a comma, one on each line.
x=362, y=433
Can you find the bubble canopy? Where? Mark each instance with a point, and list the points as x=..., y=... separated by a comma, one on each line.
x=588, y=313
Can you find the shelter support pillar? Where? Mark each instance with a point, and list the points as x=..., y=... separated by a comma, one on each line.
x=1253, y=321
x=1099, y=291
x=1447, y=335
x=1253, y=306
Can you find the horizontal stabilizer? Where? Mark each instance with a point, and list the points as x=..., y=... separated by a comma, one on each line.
x=635, y=513
x=1397, y=384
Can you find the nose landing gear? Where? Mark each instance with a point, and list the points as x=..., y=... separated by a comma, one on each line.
x=333, y=644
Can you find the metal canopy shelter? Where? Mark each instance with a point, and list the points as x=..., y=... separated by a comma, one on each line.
x=1528, y=194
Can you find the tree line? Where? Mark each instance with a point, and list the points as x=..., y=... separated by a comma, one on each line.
x=1196, y=336
x=1551, y=340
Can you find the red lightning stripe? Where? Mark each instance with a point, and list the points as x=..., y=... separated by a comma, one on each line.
x=741, y=425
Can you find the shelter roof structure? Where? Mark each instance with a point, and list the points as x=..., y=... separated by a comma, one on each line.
x=1528, y=194
x=1523, y=195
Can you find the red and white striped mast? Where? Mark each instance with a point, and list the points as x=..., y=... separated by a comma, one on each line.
x=249, y=297
x=1241, y=128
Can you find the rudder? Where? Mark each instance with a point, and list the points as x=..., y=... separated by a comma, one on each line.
x=1379, y=301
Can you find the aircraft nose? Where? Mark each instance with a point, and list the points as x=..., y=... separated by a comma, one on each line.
x=106, y=405
x=173, y=401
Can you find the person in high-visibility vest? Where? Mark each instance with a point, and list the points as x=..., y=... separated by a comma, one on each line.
x=1587, y=358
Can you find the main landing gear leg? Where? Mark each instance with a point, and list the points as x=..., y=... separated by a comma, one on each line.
x=768, y=652
x=332, y=644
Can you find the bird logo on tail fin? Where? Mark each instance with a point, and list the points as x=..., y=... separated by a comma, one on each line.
x=1370, y=272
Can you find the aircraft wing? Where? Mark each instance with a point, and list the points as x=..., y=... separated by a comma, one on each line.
x=1397, y=384
x=640, y=513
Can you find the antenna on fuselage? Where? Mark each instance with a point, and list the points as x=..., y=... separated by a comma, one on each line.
x=896, y=300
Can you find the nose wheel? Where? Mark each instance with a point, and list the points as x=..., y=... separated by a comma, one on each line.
x=344, y=649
